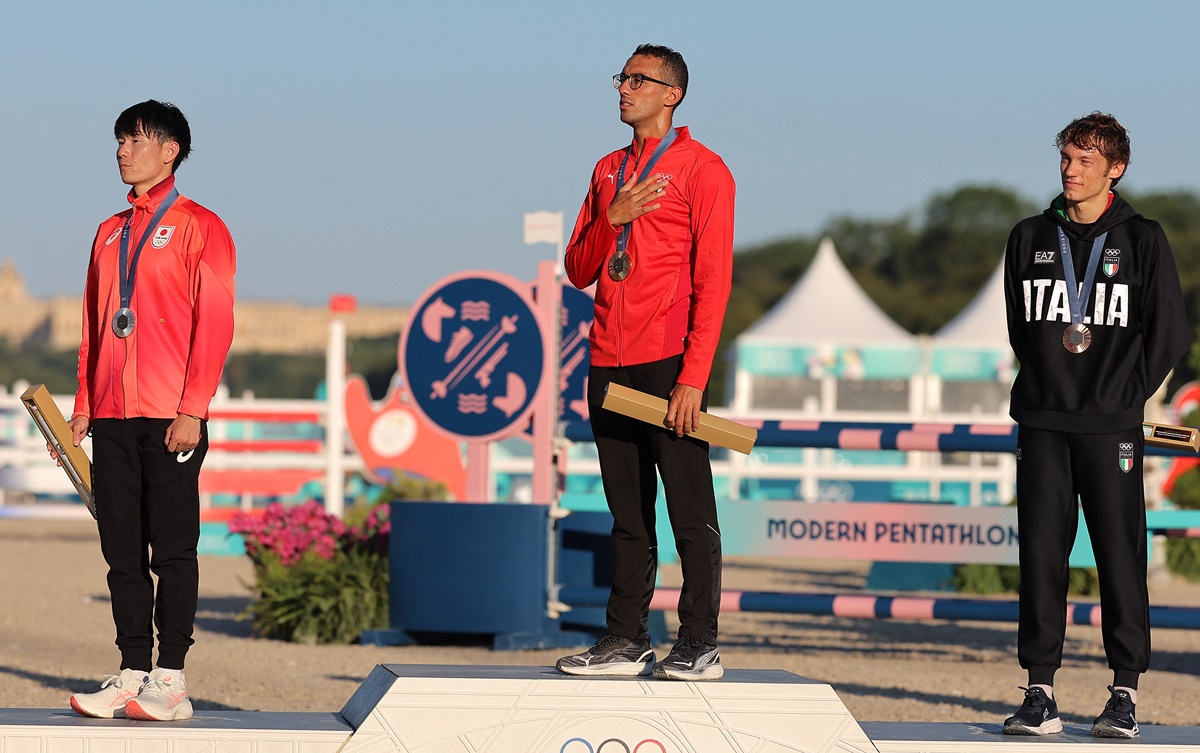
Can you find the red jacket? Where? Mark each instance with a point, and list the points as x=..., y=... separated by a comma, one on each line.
x=674, y=299
x=183, y=303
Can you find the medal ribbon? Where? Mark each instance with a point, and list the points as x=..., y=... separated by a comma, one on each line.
x=129, y=269
x=623, y=237
x=1078, y=296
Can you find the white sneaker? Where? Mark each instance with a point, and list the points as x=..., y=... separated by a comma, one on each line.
x=110, y=700
x=164, y=698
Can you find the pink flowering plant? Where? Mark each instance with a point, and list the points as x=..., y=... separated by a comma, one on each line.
x=319, y=579
x=287, y=533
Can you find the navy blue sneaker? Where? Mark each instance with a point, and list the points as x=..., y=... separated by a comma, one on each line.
x=1117, y=718
x=1038, y=715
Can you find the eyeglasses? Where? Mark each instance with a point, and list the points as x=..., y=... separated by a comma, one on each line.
x=635, y=80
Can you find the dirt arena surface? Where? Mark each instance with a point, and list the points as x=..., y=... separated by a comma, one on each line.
x=56, y=637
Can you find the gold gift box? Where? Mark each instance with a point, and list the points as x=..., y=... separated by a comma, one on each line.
x=54, y=428
x=1171, y=437
x=653, y=410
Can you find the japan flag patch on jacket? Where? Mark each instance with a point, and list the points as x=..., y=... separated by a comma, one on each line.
x=162, y=236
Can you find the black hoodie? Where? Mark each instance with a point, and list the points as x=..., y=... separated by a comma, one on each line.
x=1135, y=313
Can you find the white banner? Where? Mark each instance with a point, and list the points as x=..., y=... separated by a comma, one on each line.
x=544, y=227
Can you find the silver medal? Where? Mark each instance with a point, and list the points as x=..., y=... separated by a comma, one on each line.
x=123, y=322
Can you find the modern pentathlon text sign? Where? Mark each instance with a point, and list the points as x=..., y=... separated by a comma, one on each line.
x=880, y=532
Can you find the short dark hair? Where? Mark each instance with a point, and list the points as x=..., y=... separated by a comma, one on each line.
x=673, y=66
x=1097, y=131
x=161, y=121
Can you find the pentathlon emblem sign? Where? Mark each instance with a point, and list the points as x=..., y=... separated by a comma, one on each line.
x=472, y=356
x=1125, y=456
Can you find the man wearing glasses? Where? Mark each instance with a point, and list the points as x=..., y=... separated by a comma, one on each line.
x=655, y=236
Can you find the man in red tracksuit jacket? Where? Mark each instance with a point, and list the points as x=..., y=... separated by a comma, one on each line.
x=655, y=236
x=157, y=325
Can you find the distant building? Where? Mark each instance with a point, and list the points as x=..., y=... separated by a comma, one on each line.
x=260, y=326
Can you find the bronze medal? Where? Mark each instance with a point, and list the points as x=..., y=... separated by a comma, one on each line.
x=620, y=264
x=1076, y=338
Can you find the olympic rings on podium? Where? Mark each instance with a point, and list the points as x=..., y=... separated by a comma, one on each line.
x=605, y=746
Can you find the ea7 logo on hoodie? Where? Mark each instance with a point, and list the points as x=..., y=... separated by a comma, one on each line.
x=1112, y=261
x=1043, y=257
x=1125, y=456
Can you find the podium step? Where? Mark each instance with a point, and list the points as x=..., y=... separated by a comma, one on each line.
x=63, y=731
x=950, y=737
x=462, y=709
x=486, y=709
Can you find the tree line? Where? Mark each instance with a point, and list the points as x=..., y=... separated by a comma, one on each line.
x=921, y=268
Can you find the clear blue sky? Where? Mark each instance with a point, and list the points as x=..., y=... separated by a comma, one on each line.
x=374, y=147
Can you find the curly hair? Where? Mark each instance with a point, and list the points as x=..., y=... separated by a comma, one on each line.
x=1098, y=131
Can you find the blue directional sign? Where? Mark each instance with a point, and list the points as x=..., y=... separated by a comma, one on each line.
x=472, y=355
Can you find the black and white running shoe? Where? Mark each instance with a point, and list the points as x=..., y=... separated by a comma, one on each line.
x=611, y=656
x=1038, y=715
x=690, y=659
x=1117, y=718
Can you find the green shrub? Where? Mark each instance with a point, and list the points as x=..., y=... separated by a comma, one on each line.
x=986, y=579
x=1084, y=582
x=1183, y=558
x=1183, y=555
x=1000, y=579
x=317, y=579
x=407, y=486
x=317, y=600
x=1186, y=491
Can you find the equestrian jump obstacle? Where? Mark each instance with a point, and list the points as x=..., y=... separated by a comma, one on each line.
x=936, y=437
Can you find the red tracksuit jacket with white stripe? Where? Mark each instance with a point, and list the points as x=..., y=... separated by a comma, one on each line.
x=674, y=299
x=183, y=302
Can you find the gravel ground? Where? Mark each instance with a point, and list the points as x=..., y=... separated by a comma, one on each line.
x=56, y=635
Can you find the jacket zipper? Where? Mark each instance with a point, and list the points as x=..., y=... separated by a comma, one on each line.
x=125, y=340
x=621, y=285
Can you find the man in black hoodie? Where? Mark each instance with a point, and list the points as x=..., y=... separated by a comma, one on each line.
x=1096, y=319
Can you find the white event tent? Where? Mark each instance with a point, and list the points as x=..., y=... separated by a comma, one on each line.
x=827, y=352
x=825, y=348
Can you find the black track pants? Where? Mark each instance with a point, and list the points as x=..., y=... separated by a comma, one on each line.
x=148, y=511
x=630, y=453
x=1105, y=472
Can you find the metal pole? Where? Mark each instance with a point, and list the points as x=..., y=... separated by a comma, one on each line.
x=335, y=406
